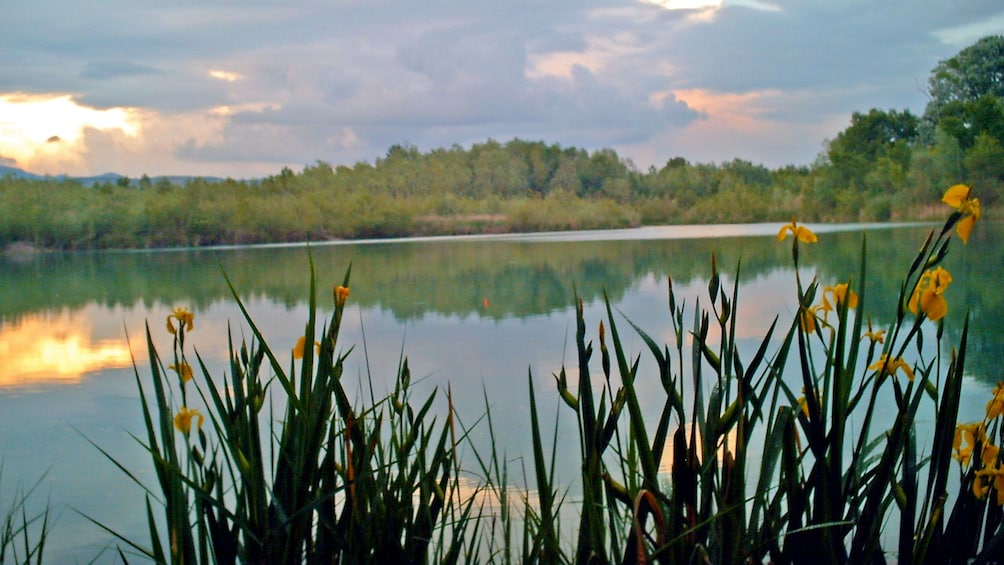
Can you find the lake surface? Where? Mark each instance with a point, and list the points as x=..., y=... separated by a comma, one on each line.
x=475, y=313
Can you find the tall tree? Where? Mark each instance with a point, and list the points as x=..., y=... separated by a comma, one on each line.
x=870, y=136
x=967, y=120
x=976, y=71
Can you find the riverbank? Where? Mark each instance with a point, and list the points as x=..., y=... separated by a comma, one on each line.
x=527, y=187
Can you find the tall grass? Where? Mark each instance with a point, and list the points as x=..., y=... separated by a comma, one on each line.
x=807, y=448
x=326, y=482
x=759, y=472
x=23, y=530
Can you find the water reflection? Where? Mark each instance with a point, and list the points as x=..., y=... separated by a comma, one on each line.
x=693, y=436
x=477, y=314
x=57, y=348
x=479, y=278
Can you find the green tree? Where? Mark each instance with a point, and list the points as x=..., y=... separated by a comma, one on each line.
x=933, y=168
x=566, y=176
x=976, y=71
x=497, y=171
x=855, y=151
x=985, y=167
x=966, y=120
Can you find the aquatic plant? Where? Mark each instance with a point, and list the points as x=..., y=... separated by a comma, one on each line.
x=739, y=468
x=23, y=530
x=803, y=449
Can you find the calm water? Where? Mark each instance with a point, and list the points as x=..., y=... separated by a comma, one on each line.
x=475, y=313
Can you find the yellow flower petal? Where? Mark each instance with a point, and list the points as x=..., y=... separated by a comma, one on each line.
x=183, y=419
x=184, y=318
x=876, y=336
x=956, y=195
x=935, y=306
x=301, y=342
x=840, y=293
x=341, y=295
x=964, y=227
x=802, y=233
x=995, y=407
x=184, y=371
x=889, y=368
x=966, y=437
x=807, y=319
x=927, y=295
x=959, y=197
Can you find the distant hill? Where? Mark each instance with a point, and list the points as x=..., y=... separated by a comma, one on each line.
x=88, y=181
x=18, y=173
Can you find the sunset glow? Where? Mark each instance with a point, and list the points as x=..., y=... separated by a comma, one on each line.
x=742, y=110
x=47, y=349
x=33, y=126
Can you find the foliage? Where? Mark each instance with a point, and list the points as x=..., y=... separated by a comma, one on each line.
x=326, y=482
x=975, y=72
x=368, y=493
x=810, y=447
x=883, y=156
x=746, y=469
x=23, y=531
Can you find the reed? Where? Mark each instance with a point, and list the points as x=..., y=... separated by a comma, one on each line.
x=23, y=530
x=782, y=453
x=829, y=478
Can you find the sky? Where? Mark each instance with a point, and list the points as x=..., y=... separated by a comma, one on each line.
x=243, y=88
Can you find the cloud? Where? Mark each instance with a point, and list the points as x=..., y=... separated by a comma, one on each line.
x=270, y=83
x=108, y=70
x=967, y=33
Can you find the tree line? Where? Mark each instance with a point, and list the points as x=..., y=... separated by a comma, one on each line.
x=886, y=165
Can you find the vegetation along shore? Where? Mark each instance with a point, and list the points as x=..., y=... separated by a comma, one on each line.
x=835, y=438
x=886, y=165
x=784, y=452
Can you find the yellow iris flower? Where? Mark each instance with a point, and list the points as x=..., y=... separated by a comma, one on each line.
x=990, y=475
x=839, y=293
x=183, y=419
x=341, y=295
x=890, y=367
x=995, y=407
x=808, y=319
x=927, y=296
x=960, y=197
x=301, y=344
x=966, y=437
x=802, y=233
x=184, y=371
x=876, y=336
x=803, y=404
x=184, y=318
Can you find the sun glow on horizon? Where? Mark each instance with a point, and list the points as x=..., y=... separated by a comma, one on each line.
x=52, y=126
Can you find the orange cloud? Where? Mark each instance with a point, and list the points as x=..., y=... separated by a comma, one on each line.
x=735, y=110
x=748, y=125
